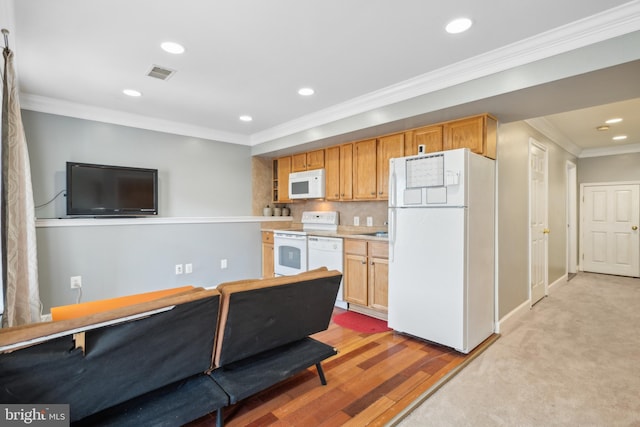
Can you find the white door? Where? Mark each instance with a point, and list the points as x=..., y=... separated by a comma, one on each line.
x=538, y=230
x=572, y=218
x=610, y=220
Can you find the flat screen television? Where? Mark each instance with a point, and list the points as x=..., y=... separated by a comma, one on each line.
x=102, y=190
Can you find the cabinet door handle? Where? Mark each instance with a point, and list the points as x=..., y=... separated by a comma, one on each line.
x=634, y=228
x=363, y=262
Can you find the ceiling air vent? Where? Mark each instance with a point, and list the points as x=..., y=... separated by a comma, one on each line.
x=161, y=73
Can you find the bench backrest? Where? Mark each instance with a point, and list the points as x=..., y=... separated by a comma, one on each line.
x=259, y=315
x=98, y=361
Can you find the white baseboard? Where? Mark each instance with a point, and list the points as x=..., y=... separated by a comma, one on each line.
x=562, y=280
x=510, y=321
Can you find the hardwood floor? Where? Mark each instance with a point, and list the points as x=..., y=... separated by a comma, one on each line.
x=373, y=378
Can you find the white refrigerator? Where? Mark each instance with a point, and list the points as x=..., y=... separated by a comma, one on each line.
x=442, y=247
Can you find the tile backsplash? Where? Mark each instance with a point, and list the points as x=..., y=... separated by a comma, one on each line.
x=347, y=210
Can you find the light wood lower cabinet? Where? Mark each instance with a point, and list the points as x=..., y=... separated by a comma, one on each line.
x=366, y=276
x=267, y=254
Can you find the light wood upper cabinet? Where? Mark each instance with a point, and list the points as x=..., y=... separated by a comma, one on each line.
x=346, y=171
x=315, y=159
x=338, y=164
x=332, y=172
x=307, y=161
x=360, y=170
x=388, y=147
x=364, y=169
x=299, y=162
x=476, y=133
x=284, y=168
x=429, y=136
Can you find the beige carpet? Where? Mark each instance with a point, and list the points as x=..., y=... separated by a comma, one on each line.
x=573, y=360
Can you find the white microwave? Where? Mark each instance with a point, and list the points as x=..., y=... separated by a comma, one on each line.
x=307, y=184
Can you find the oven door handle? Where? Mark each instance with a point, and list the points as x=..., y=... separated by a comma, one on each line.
x=290, y=236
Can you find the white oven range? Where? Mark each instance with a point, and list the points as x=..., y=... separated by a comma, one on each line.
x=289, y=252
x=294, y=254
x=290, y=246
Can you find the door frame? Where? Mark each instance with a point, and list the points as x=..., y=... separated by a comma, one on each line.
x=582, y=186
x=572, y=217
x=534, y=143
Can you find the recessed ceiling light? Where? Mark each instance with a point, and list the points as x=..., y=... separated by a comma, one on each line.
x=132, y=92
x=603, y=127
x=306, y=91
x=619, y=137
x=612, y=121
x=172, y=47
x=458, y=25
x=246, y=118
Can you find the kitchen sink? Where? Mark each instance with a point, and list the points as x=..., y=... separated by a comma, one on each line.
x=376, y=234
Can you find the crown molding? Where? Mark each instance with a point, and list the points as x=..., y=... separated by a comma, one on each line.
x=88, y=112
x=610, y=151
x=611, y=23
x=545, y=127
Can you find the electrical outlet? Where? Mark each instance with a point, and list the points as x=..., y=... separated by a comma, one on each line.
x=188, y=268
x=178, y=268
x=223, y=264
x=356, y=220
x=369, y=221
x=76, y=282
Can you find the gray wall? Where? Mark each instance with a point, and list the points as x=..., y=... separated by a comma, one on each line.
x=513, y=213
x=196, y=178
x=117, y=260
x=622, y=167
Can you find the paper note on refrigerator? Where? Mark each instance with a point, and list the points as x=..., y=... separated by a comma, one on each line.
x=425, y=171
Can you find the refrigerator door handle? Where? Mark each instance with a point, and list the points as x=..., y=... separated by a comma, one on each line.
x=392, y=233
x=392, y=185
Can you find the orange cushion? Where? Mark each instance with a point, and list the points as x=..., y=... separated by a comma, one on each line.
x=73, y=311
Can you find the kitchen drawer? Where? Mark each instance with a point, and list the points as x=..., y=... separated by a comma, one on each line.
x=379, y=249
x=355, y=247
x=267, y=237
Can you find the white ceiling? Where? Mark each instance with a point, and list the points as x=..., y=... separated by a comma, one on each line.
x=251, y=57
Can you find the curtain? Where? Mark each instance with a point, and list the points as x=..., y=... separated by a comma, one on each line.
x=19, y=256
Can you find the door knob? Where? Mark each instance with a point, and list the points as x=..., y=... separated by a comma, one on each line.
x=546, y=231
x=634, y=228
